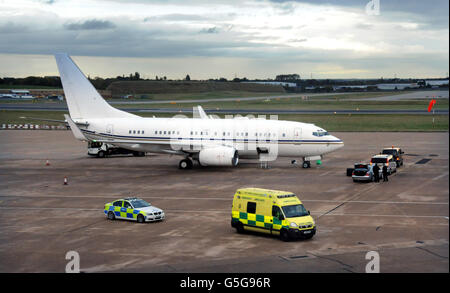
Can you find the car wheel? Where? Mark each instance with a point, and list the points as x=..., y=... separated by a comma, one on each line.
x=284, y=235
x=240, y=228
x=306, y=164
x=308, y=237
x=140, y=218
x=101, y=154
x=111, y=216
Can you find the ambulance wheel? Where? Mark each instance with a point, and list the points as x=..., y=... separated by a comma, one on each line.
x=240, y=228
x=111, y=216
x=140, y=219
x=284, y=235
x=306, y=164
x=101, y=154
x=185, y=164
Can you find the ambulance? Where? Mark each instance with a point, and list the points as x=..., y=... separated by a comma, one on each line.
x=274, y=212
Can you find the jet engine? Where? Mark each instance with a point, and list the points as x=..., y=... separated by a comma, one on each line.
x=218, y=156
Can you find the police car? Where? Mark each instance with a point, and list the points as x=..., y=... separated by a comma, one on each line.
x=134, y=209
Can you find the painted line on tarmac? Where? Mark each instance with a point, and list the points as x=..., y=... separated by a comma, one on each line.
x=224, y=211
x=230, y=199
x=395, y=216
x=441, y=176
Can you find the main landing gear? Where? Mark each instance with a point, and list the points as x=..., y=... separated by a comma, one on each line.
x=185, y=164
x=305, y=164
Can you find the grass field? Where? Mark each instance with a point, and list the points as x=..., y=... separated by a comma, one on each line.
x=329, y=122
x=296, y=103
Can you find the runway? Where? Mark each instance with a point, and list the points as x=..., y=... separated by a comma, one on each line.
x=63, y=107
x=405, y=220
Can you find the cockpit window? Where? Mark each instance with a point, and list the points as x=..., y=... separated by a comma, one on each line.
x=320, y=132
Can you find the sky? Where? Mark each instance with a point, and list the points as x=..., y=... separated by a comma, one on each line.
x=257, y=39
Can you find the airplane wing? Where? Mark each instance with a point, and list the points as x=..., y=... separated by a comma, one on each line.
x=53, y=120
x=198, y=112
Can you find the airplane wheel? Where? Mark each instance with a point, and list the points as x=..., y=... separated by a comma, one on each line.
x=185, y=164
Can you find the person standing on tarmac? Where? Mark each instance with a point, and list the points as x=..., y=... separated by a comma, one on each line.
x=385, y=173
x=376, y=173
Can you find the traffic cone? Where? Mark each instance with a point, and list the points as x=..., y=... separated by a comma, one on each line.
x=47, y=163
x=65, y=180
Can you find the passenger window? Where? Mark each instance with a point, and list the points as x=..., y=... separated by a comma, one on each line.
x=134, y=131
x=142, y=132
x=117, y=203
x=129, y=132
x=276, y=212
x=156, y=132
x=139, y=132
x=127, y=205
x=251, y=207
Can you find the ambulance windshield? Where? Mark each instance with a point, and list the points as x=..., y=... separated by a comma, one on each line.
x=295, y=211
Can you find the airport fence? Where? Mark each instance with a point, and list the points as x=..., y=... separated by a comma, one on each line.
x=33, y=127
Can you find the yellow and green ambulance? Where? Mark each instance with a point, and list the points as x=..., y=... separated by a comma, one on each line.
x=273, y=212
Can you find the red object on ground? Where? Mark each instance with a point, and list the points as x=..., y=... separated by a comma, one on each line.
x=431, y=104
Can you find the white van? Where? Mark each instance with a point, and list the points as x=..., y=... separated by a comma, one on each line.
x=385, y=160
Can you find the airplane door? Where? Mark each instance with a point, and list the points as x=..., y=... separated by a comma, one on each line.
x=297, y=134
x=109, y=129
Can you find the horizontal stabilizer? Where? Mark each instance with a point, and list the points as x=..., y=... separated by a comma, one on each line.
x=75, y=130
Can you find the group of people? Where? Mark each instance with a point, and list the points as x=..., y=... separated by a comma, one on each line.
x=376, y=173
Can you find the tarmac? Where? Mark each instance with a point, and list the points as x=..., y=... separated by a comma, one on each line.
x=405, y=220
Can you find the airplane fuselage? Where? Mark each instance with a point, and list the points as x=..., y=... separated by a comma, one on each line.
x=181, y=135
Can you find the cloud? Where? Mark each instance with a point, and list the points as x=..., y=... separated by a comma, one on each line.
x=92, y=24
x=211, y=30
x=277, y=34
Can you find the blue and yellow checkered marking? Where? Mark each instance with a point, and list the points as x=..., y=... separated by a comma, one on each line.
x=123, y=212
x=258, y=221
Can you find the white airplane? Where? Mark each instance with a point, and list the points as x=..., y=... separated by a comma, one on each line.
x=209, y=141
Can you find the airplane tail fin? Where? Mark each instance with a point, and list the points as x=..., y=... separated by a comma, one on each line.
x=82, y=98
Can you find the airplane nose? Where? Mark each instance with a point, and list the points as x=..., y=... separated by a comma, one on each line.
x=339, y=143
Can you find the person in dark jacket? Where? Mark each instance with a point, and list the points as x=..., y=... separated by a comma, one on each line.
x=376, y=173
x=385, y=173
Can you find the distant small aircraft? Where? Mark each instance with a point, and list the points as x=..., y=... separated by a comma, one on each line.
x=209, y=141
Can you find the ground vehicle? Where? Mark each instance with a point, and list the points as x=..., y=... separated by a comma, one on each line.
x=102, y=150
x=134, y=209
x=396, y=153
x=383, y=160
x=271, y=212
x=364, y=172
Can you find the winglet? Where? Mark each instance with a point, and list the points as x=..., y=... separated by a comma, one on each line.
x=75, y=130
x=198, y=112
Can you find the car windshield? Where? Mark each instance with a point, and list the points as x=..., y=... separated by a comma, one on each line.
x=379, y=160
x=294, y=211
x=390, y=152
x=139, y=203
